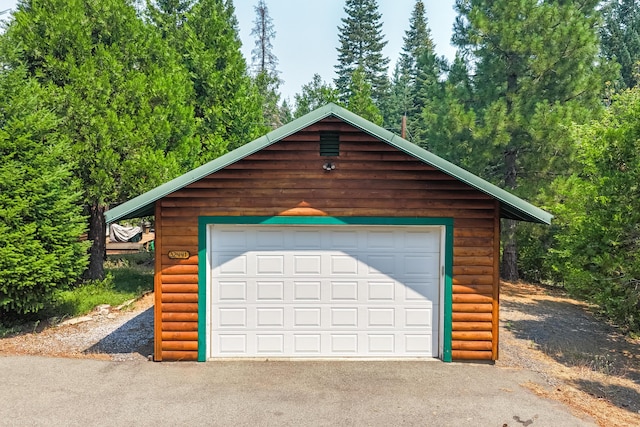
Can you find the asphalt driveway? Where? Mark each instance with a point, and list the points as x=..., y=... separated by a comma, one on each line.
x=51, y=391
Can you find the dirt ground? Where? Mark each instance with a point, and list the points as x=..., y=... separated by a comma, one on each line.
x=588, y=365
x=591, y=366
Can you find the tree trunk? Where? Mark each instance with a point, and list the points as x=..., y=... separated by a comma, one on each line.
x=98, y=237
x=509, y=226
x=509, y=251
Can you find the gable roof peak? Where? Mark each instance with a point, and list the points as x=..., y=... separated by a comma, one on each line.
x=511, y=206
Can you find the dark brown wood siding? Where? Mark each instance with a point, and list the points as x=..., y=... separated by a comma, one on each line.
x=370, y=178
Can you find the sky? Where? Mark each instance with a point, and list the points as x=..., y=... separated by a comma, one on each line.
x=307, y=34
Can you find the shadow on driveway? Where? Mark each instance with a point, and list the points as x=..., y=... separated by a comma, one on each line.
x=571, y=335
x=132, y=340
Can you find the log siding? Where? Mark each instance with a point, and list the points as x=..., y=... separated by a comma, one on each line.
x=370, y=179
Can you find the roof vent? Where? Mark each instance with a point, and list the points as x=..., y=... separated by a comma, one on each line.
x=329, y=144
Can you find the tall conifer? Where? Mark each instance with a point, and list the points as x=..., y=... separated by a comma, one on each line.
x=621, y=38
x=264, y=63
x=416, y=80
x=536, y=71
x=361, y=44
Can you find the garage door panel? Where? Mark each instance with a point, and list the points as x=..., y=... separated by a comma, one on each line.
x=344, y=344
x=270, y=291
x=343, y=239
x=231, y=263
x=380, y=264
x=307, y=264
x=426, y=241
x=344, y=291
x=344, y=317
x=231, y=239
x=417, y=343
x=421, y=265
x=421, y=291
x=307, y=317
x=381, y=317
x=270, y=344
x=343, y=265
x=269, y=264
x=270, y=317
x=380, y=240
x=324, y=292
x=269, y=239
x=232, y=317
x=307, y=343
x=378, y=292
x=307, y=239
x=418, y=317
x=231, y=344
x=307, y=290
x=231, y=291
x=381, y=343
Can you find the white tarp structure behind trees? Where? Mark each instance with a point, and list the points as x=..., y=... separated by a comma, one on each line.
x=120, y=233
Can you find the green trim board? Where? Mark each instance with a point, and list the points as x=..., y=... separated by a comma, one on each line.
x=202, y=289
x=448, y=293
x=205, y=221
x=511, y=206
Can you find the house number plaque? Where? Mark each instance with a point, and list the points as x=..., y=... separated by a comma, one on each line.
x=179, y=254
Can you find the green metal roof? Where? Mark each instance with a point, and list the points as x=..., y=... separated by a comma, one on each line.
x=511, y=206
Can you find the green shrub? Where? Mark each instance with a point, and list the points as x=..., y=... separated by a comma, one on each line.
x=598, y=249
x=40, y=215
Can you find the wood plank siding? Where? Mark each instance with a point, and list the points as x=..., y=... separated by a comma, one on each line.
x=370, y=178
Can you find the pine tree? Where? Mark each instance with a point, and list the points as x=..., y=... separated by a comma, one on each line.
x=416, y=40
x=621, y=38
x=398, y=102
x=535, y=72
x=264, y=63
x=123, y=100
x=264, y=60
x=416, y=82
x=361, y=44
x=449, y=120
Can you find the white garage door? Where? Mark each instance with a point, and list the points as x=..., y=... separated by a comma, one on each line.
x=324, y=291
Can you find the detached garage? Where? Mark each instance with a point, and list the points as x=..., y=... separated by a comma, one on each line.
x=327, y=238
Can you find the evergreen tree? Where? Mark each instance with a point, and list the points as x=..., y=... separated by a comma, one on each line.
x=360, y=101
x=264, y=60
x=286, y=114
x=416, y=81
x=123, y=100
x=40, y=202
x=449, y=120
x=416, y=40
x=264, y=64
x=398, y=102
x=169, y=14
x=361, y=44
x=314, y=94
x=535, y=72
x=621, y=38
x=227, y=105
